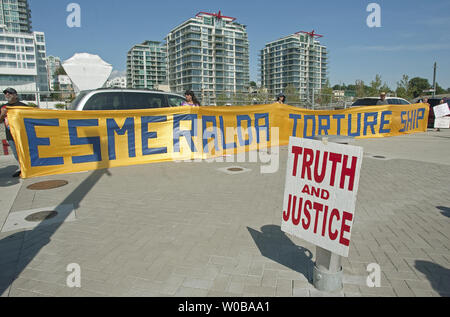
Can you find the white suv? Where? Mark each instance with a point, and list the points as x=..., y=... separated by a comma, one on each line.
x=123, y=99
x=372, y=101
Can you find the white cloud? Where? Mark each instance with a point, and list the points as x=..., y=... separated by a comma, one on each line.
x=117, y=73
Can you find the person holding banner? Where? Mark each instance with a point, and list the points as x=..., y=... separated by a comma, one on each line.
x=382, y=100
x=281, y=99
x=191, y=100
x=13, y=101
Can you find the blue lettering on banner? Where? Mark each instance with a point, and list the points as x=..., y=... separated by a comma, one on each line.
x=383, y=122
x=295, y=117
x=305, y=127
x=358, y=126
x=94, y=141
x=128, y=127
x=187, y=134
x=323, y=127
x=410, y=119
x=403, y=121
x=420, y=116
x=232, y=145
x=209, y=134
x=264, y=116
x=241, y=118
x=34, y=142
x=145, y=121
x=372, y=123
x=338, y=117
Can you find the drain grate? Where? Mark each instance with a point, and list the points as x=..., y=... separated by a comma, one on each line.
x=29, y=219
x=41, y=215
x=235, y=169
x=47, y=185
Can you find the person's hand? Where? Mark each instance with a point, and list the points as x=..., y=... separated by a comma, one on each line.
x=3, y=115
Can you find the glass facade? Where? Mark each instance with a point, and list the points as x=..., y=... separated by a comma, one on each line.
x=209, y=55
x=146, y=65
x=298, y=61
x=23, y=60
x=16, y=15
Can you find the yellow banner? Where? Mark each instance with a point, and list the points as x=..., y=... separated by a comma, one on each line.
x=61, y=141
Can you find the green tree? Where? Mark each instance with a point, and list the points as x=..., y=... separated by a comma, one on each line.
x=221, y=100
x=375, y=86
x=292, y=95
x=262, y=96
x=59, y=71
x=326, y=94
x=55, y=96
x=439, y=90
x=360, y=88
x=417, y=85
x=385, y=88
x=403, y=88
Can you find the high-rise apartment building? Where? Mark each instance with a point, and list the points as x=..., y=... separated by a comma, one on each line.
x=209, y=55
x=146, y=65
x=53, y=63
x=298, y=61
x=22, y=61
x=15, y=15
x=22, y=51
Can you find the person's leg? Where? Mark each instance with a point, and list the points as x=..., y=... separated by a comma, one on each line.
x=12, y=145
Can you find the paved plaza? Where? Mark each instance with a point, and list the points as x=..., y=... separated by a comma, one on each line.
x=198, y=229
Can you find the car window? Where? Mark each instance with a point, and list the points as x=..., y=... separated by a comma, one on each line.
x=142, y=100
x=74, y=104
x=365, y=102
x=403, y=102
x=175, y=101
x=392, y=101
x=104, y=101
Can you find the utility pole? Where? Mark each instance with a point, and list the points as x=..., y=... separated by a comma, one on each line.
x=434, y=79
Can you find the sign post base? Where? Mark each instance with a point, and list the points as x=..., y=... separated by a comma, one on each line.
x=327, y=273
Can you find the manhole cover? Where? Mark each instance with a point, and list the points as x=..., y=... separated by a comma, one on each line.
x=47, y=185
x=235, y=169
x=41, y=215
x=379, y=156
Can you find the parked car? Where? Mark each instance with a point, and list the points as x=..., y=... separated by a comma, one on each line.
x=123, y=99
x=372, y=101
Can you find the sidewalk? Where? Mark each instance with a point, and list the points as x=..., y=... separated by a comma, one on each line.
x=193, y=229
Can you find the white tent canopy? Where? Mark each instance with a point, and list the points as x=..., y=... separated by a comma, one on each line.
x=87, y=71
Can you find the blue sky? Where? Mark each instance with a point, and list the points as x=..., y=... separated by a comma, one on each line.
x=413, y=34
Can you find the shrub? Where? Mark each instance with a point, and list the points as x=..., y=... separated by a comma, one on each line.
x=60, y=106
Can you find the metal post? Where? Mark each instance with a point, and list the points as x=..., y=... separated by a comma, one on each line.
x=328, y=272
x=434, y=79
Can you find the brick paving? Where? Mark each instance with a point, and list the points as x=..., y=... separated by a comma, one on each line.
x=189, y=229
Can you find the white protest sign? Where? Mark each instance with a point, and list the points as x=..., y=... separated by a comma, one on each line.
x=320, y=192
x=443, y=122
x=441, y=110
